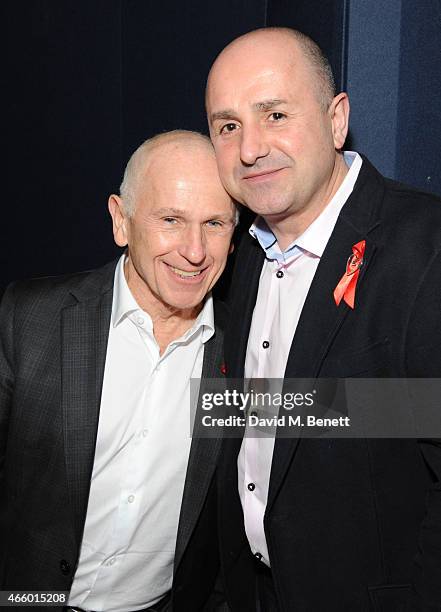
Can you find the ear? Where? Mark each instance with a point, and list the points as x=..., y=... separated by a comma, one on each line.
x=231, y=249
x=119, y=220
x=339, y=114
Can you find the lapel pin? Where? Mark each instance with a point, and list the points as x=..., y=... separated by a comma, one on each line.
x=346, y=287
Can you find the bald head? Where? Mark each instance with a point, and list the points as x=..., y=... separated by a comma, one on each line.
x=162, y=149
x=289, y=44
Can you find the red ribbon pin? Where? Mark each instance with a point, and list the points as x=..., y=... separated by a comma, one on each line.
x=346, y=287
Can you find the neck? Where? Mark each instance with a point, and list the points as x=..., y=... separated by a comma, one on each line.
x=169, y=322
x=171, y=328
x=290, y=227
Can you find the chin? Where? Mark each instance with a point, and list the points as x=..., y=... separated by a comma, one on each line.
x=266, y=211
x=267, y=205
x=188, y=304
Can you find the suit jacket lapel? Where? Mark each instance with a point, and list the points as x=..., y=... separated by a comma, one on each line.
x=203, y=451
x=246, y=281
x=321, y=319
x=318, y=326
x=84, y=331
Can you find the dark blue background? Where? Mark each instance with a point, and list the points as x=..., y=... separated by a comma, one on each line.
x=88, y=81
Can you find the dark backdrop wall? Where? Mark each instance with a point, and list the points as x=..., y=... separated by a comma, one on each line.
x=88, y=81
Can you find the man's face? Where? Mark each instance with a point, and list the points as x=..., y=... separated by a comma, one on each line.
x=274, y=140
x=180, y=234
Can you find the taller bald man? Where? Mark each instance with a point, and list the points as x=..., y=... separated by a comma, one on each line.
x=334, y=525
x=103, y=493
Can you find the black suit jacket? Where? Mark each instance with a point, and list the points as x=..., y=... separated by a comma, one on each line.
x=54, y=335
x=354, y=524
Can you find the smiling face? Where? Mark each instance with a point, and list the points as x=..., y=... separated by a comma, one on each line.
x=274, y=139
x=180, y=233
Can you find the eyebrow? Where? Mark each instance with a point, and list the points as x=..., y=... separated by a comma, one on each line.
x=264, y=105
x=222, y=216
x=223, y=114
x=169, y=210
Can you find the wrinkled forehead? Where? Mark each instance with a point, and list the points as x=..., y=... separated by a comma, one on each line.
x=182, y=179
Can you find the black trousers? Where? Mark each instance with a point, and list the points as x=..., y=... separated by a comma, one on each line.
x=266, y=600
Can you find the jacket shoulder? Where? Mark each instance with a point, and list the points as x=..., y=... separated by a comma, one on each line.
x=404, y=193
x=376, y=198
x=50, y=293
x=413, y=214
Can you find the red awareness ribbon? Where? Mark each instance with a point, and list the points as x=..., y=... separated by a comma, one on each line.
x=346, y=287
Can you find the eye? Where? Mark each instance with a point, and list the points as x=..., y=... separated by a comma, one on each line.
x=228, y=127
x=214, y=223
x=277, y=116
x=170, y=220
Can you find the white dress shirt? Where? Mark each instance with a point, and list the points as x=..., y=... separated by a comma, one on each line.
x=142, y=449
x=284, y=284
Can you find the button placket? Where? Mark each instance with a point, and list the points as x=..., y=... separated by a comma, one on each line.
x=263, y=355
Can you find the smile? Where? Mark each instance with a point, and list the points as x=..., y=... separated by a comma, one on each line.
x=184, y=273
x=186, y=276
x=262, y=176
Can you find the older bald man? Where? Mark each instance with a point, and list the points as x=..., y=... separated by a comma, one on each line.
x=333, y=525
x=101, y=486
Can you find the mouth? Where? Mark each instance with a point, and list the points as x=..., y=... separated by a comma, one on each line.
x=187, y=276
x=262, y=176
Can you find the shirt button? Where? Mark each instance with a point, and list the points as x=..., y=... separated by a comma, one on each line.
x=265, y=344
x=279, y=274
x=131, y=499
x=251, y=486
x=64, y=567
x=111, y=561
x=140, y=320
x=258, y=556
x=145, y=433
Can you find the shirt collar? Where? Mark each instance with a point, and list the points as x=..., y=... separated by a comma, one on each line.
x=315, y=238
x=124, y=305
x=205, y=320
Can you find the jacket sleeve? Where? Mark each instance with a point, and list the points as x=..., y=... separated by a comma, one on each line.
x=6, y=391
x=423, y=360
x=6, y=372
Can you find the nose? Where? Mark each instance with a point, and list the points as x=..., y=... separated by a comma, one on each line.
x=193, y=245
x=253, y=144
